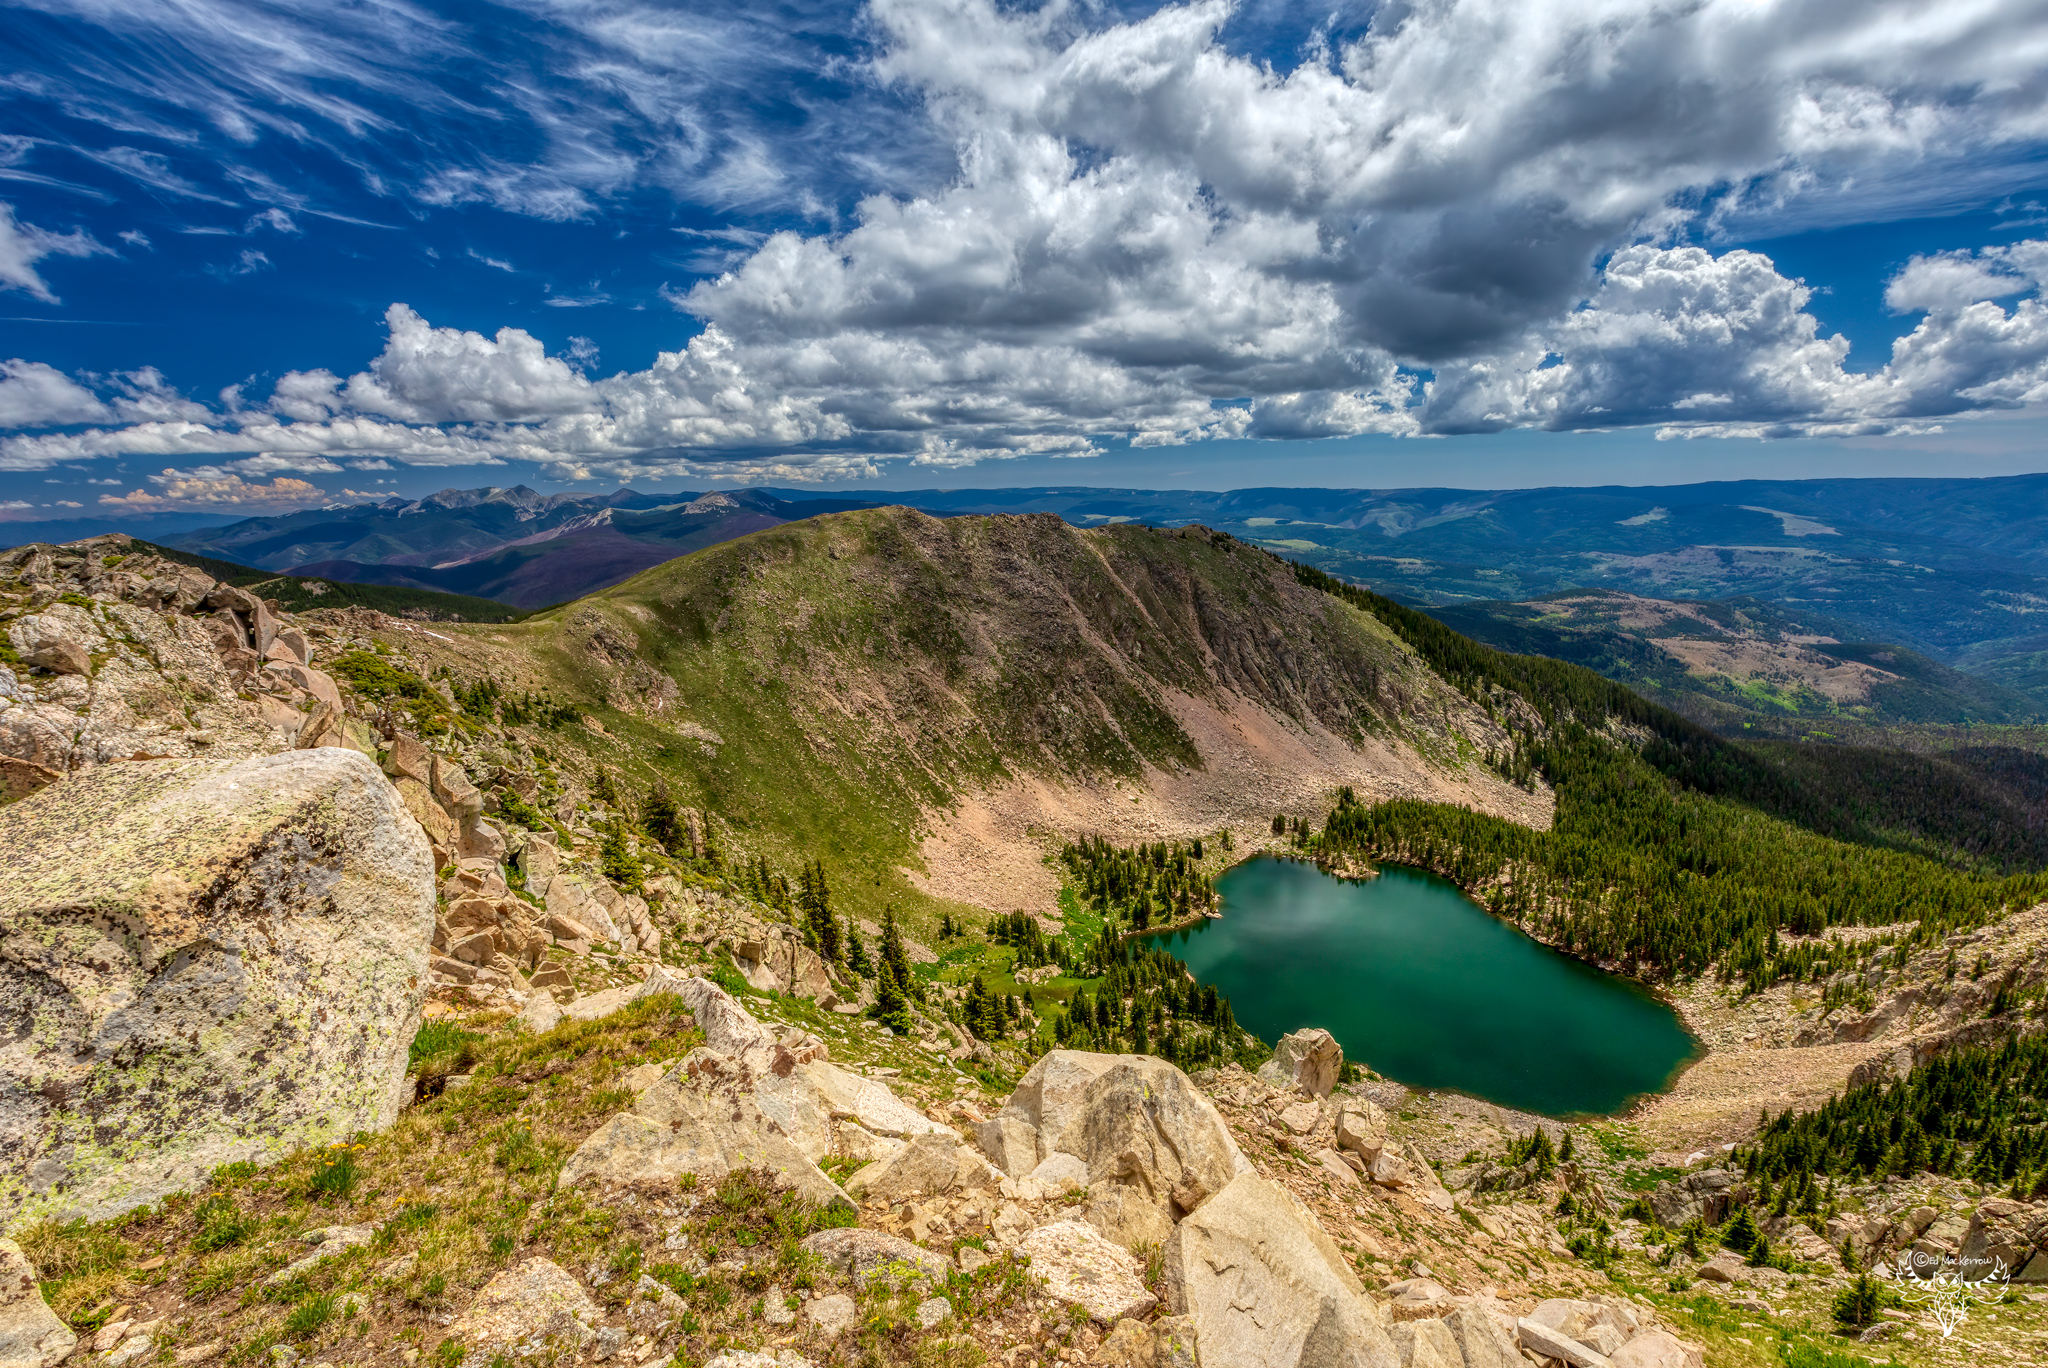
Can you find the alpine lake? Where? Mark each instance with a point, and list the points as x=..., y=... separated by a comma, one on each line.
x=1422, y=984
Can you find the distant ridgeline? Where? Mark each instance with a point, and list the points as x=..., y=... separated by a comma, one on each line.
x=299, y=593
x=1674, y=849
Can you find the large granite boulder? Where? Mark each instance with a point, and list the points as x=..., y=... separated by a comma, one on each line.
x=1021, y=1136
x=1266, y=1288
x=1307, y=1060
x=1154, y=1146
x=201, y=962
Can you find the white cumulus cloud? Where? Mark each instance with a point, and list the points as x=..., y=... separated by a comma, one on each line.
x=1470, y=218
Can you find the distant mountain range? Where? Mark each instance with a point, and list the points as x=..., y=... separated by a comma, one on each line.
x=515, y=545
x=1954, y=571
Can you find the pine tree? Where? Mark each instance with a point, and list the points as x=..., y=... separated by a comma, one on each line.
x=618, y=861
x=857, y=955
x=1859, y=1303
x=894, y=987
x=663, y=819
x=1740, y=1234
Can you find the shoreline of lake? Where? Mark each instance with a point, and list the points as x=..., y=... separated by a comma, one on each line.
x=1601, y=1054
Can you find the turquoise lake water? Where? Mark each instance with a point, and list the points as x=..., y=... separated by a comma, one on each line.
x=1421, y=983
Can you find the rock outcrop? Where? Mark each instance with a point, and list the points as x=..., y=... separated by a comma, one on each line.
x=125, y=654
x=701, y=1119
x=1153, y=1147
x=201, y=962
x=1309, y=1061
x=1266, y=1288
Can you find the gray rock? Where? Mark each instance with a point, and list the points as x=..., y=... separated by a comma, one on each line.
x=1174, y=1343
x=1266, y=1288
x=701, y=1119
x=524, y=1309
x=1083, y=1268
x=31, y=1336
x=1308, y=1060
x=541, y=1013
x=1426, y=1344
x=932, y=1311
x=1704, y=1194
x=46, y=639
x=865, y=1255
x=833, y=1315
x=1481, y=1338
x=1021, y=1135
x=1362, y=1129
x=928, y=1166
x=1155, y=1148
x=1725, y=1267
x=207, y=962
x=1538, y=1338
x=1657, y=1349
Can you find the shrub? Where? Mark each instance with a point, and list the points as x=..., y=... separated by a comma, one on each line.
x=307, y=1318
x=220, y=1223
x=336, y=1174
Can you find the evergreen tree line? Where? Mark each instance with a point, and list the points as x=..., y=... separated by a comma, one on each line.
x=1641, y=871
x=1140, y=886
x=1978, y=1112
x=1989, y=822
x=1147, y=1004
x=1022, y=933
x=990, y=1015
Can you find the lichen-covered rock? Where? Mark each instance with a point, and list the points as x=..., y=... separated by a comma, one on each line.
x=701, y=1119
x=201, y=962
x=1085, y=1269
x=532, y=1309
x=133, y=673
x=31, y=1336
x=865, y=1255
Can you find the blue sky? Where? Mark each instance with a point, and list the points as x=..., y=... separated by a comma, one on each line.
x=255, y=257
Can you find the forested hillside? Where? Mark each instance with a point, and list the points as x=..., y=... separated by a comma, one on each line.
x=1673, y=849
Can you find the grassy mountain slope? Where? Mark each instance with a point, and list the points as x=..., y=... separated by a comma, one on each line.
x=835, y=687
x=1739, y=662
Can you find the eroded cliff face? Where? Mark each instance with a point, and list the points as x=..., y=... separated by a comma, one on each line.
x=201, y=962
